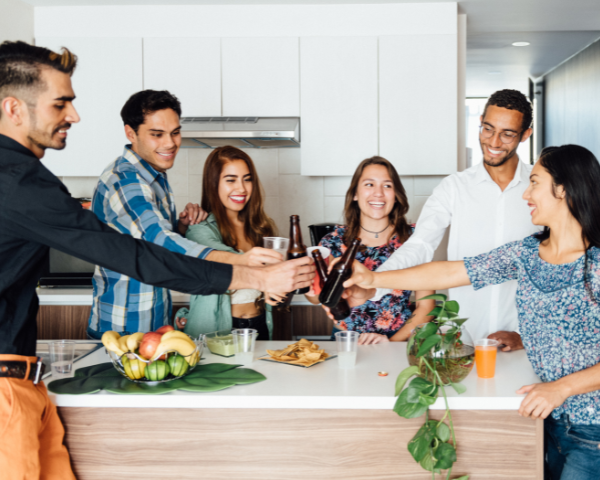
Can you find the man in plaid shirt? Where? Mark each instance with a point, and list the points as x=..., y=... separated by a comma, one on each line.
x=133, y=196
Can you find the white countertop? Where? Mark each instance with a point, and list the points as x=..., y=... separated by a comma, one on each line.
x=325, y=385
x=83, y=296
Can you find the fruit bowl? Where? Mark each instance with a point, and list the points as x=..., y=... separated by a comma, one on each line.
x=136, y=368
x=172, y=357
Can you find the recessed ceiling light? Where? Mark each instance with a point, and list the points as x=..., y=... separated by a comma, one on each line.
x=520, y=44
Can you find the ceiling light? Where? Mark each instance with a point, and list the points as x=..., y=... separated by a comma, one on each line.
x=520, y=44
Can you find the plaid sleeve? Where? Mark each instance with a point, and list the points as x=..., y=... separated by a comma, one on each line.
x=130, y=207
x=491, y=268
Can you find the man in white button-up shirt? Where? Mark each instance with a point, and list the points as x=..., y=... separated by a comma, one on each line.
x=485, y=209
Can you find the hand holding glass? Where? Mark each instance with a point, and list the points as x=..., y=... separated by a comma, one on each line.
x=279, y=244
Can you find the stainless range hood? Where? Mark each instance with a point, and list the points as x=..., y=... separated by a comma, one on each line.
x=241, y=132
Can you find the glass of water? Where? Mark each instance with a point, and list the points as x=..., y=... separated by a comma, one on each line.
x=244, y=340
x=347, y=347
x=62, y=353
x=279, y=244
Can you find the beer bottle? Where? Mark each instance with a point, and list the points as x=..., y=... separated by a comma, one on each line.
x=296, y=249
x=342, y=271
x=342, y=310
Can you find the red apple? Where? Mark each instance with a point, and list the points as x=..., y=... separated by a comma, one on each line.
x=164, y=329
x=149, y=344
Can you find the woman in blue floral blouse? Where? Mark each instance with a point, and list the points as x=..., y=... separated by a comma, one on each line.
x=375, y=211
x=558, y=300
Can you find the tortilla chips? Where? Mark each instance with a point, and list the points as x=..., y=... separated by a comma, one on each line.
x=303, y=352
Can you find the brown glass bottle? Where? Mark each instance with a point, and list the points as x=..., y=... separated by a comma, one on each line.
x=296, y=249
x=342, y=271
x=342, y=310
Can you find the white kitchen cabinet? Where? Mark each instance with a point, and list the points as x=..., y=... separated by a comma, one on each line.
x=261, y=77
x=189, y=68
x=338, y=102
x=418, y=103
x=109, y=71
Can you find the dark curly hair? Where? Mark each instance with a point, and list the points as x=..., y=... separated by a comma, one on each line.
x=21, y=65
x=146, y=102
x=512, y=100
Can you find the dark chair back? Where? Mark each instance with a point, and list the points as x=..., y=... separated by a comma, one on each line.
x=319, y=230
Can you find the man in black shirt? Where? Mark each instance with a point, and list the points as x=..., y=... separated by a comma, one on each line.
x=37, y=212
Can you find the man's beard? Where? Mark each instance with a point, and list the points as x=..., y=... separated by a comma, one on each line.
x=508, y=156
x=44, y=140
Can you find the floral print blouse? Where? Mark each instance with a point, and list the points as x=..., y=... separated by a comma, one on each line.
x=385, y=316
x=558, y=320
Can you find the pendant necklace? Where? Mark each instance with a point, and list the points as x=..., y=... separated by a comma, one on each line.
x=376, y=233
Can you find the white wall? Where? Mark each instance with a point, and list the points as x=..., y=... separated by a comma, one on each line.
x=247, y=20
x=315, y=199
x=16, y=21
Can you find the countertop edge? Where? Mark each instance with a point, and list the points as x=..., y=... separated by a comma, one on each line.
x=107, y=400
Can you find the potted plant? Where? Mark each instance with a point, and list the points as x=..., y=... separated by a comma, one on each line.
x=440, y=354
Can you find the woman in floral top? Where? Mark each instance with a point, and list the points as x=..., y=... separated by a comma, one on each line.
x=558, y=300
x=375, y=211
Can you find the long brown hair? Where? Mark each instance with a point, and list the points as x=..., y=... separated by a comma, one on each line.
x=397, y=215
x=256, y=222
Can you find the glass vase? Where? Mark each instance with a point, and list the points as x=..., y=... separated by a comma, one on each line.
x=453, y=360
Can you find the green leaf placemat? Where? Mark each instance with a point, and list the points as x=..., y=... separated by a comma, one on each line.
x=204, y=378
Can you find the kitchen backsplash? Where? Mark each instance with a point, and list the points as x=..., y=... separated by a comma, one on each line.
x=315, y=199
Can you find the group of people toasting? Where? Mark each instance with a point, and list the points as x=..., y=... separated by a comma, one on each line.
x=530, y=234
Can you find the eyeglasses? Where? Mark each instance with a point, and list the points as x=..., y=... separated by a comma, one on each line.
x=505, y=137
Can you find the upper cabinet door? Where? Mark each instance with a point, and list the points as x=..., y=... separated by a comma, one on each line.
x=338, y=92
x=109, y=71
x=261, y=77
x=418, y=103
x=189, y=68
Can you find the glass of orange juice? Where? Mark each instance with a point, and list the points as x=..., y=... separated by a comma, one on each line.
x=485, y=357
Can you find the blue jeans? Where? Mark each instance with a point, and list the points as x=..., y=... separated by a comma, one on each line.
x=572, y=451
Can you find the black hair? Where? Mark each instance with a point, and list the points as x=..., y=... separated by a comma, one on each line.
x=146, y=102
x=512, y=100
x=576, y=169
x=21, y=65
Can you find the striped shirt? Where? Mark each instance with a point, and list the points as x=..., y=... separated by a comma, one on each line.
x=134, y=198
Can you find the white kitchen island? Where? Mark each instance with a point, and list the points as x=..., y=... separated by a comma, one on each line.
x=320, y=421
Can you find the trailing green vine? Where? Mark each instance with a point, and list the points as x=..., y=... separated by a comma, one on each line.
x=438, y=358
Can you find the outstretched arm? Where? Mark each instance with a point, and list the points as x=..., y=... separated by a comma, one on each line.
x=430, y=276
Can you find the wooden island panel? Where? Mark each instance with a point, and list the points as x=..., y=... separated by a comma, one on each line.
x=257, y=444
x=63, y=322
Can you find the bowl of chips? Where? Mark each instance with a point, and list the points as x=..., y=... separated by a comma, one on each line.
x=303, y=353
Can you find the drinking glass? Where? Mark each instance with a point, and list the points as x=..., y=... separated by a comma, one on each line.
x=244, y=340
x=485, y=357
x=347, y=347
x=62, y=353
x=279, y=244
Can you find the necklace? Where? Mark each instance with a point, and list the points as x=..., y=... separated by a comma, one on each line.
x=376, y=233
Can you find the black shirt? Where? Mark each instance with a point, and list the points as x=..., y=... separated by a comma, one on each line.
x=37, y=212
